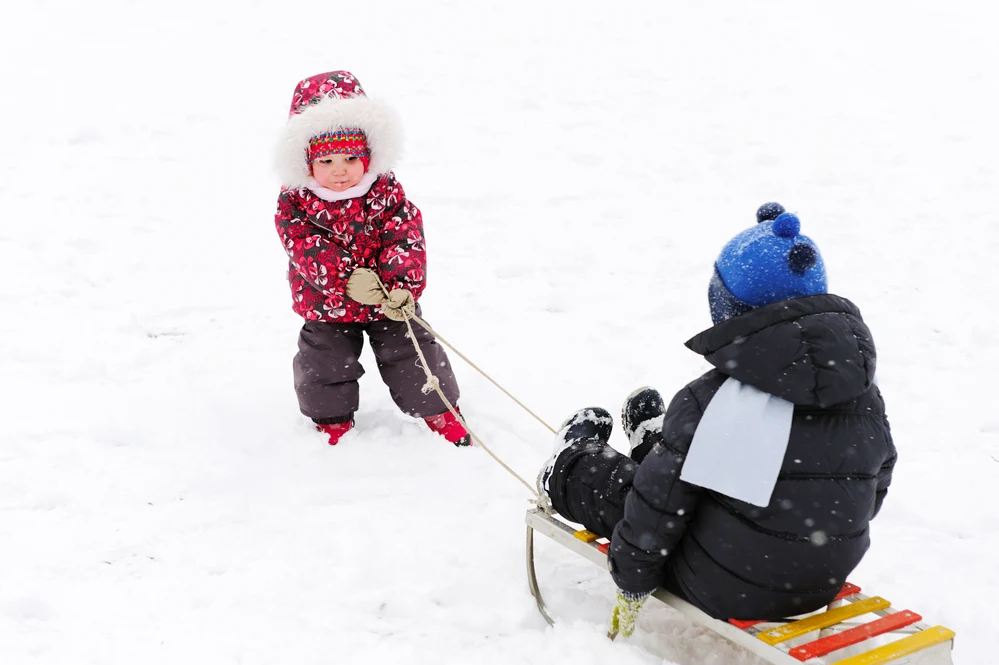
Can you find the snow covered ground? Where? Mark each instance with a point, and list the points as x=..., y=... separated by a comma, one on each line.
x=579, y=165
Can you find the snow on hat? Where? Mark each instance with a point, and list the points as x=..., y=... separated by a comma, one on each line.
x=329, y=103
x=766, y=263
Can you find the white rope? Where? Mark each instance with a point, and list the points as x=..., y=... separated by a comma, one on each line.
x=477, y=369
x=434, y=384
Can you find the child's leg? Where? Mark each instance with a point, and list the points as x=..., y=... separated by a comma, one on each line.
x=398, y=363
x=327, y=369
x=590, y=482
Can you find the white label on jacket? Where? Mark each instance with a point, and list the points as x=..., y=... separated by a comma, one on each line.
x=739, y=446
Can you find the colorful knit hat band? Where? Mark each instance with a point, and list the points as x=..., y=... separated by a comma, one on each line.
x=339, y=142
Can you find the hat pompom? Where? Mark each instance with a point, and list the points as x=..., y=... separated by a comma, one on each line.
x=787, y=225
x=801, y=258
x=768, y=211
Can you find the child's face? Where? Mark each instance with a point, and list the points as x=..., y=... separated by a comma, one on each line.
x=338, y=172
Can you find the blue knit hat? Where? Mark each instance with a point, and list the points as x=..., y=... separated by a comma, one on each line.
x=764, y=264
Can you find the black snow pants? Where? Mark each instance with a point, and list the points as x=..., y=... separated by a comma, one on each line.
x=327, y=368
x=589, y=484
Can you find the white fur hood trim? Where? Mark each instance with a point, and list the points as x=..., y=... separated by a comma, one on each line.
x=379, y=122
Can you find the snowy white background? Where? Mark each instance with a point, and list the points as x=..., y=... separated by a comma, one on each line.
x=579, y=165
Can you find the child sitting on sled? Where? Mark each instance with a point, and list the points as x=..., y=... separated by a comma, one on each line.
x=342, y=209
x=750, y=495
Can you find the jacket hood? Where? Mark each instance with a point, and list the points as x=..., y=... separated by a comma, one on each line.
x=326, y=102
x=811, y=351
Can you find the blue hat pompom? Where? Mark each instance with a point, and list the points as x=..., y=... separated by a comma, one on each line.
x=787, y=225
x=767, y=263
x=768, y=211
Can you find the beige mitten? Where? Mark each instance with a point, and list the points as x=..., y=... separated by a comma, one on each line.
x=365, y=287
x=400, y=305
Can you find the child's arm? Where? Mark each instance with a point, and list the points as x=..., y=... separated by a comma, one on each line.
x=403, y=259
x=324, y=265
x=659, y=506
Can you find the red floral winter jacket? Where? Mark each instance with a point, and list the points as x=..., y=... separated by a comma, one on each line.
x=327, y=240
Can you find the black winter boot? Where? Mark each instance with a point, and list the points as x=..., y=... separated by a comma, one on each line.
x=642, y=420
x=584, y=425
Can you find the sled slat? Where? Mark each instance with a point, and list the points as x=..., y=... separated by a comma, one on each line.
x=743, y=625
x=850, y=637
x=823, y=620
x=903, y=647
x=847, y=590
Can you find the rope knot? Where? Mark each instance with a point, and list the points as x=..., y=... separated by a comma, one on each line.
x=431, y=385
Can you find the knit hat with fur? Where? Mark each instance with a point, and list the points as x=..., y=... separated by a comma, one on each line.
x=331, y=114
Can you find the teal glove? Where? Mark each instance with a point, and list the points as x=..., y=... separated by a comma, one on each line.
x=622, y=619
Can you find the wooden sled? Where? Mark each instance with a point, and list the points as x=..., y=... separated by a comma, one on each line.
x=812, y=639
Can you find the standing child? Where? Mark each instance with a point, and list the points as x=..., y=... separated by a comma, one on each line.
x=749, y=496
x=341, y=208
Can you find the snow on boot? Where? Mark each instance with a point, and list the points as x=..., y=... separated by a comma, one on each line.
x=593, y=424
x=642, y=417
x=450, y=428
x=335, y=430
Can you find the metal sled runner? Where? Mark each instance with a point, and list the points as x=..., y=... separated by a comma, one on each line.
x=813, y=639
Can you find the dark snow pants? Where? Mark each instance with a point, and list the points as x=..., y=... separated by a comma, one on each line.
x=589, y=485
x=327, y=368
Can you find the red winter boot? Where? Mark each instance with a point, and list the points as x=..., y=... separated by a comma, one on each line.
x=450, y=428
x=335, y=430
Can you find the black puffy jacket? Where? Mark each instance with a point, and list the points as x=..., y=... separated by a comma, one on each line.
x=736, y=560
